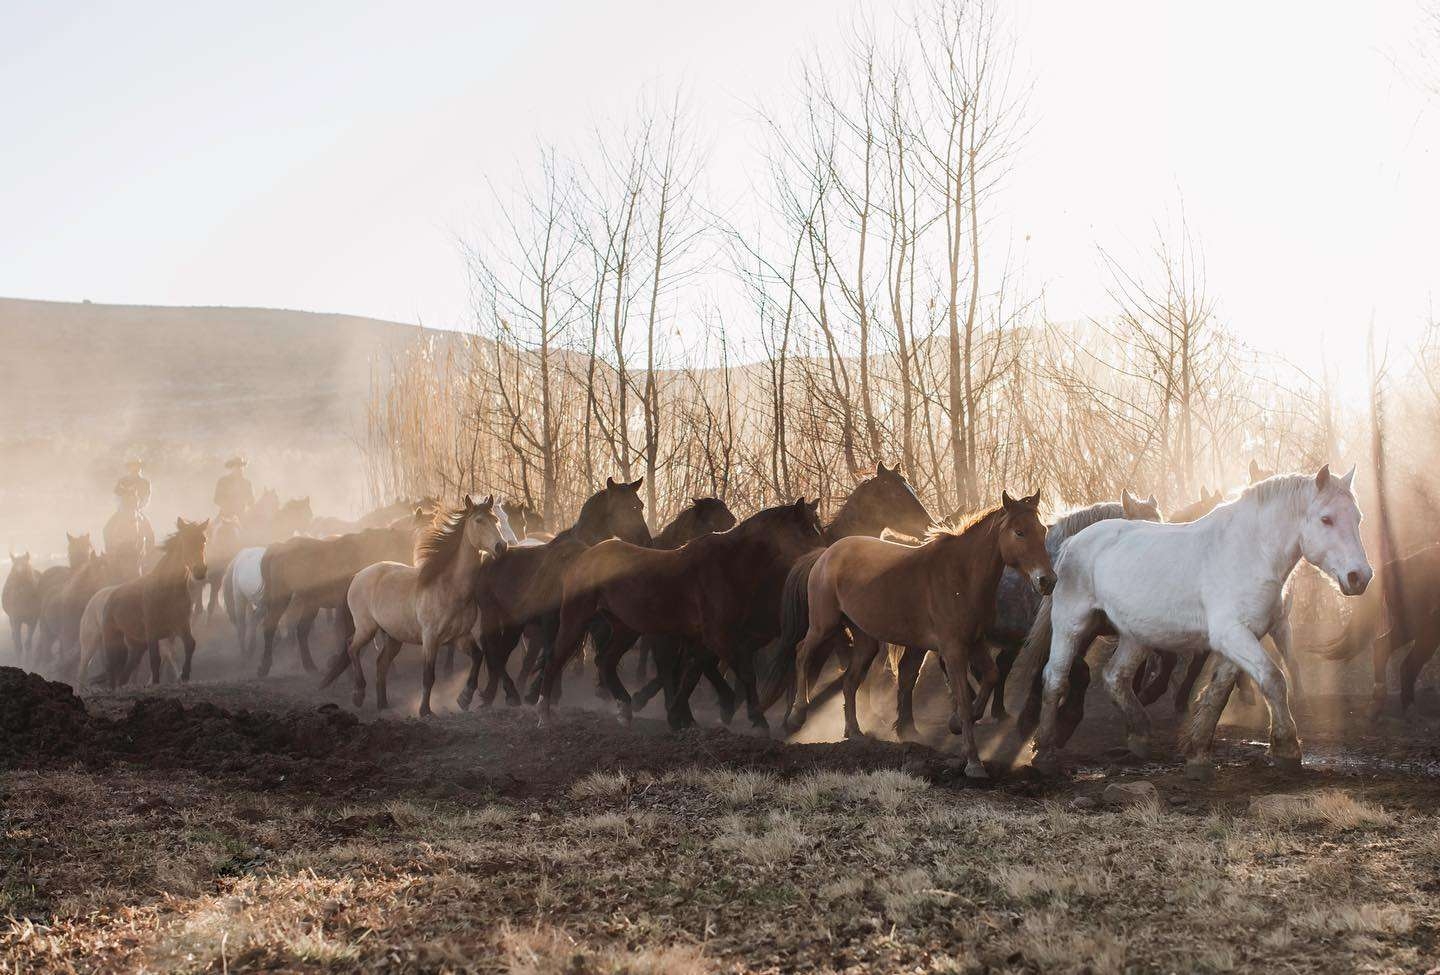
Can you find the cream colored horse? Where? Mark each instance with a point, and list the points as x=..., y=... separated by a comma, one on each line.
x=430, y=603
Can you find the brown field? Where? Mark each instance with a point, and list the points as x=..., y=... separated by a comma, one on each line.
x=239, y=825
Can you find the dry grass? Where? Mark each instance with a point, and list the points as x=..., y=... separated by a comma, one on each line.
x=699, y=871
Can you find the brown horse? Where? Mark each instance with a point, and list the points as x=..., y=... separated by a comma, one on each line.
x=720, y=593
x=939, y=595
x=312, y=574
x=524, y=519
x=519, y=593
x=156, y=606
x=884, y=502
x=703, y=516
x=78, y=551
x=267, y=520
x=62, y=610
x=431, y=603
x=21, y=601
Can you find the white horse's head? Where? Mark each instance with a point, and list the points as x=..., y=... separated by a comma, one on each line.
x=506, y=531
x=1330, y=533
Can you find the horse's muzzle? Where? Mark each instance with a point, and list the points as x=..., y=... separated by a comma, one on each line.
x=1356, y=581
x=198, y=572
x=1044, y=583
x=501, y=547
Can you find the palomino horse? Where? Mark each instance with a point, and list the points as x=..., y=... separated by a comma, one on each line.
x=884, y=501
x=1122, y=575
x=220, y=548
x=520, y=593
x=20, y=600
x=939, y=595
x=711, y=593
x=244, y=587
x=156, y=606
x=431, y=603
x=314, y=574
x=128, y=525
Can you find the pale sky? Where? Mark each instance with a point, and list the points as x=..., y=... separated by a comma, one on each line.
x=322, y=156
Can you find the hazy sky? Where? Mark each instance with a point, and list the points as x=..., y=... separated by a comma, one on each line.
x=323, y=155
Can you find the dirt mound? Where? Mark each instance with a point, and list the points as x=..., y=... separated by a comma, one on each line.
x=43, y=721
x=38, y=717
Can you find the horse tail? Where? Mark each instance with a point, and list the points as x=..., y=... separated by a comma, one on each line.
x=1029, y=662
x=1362, y=626
x=775, y=664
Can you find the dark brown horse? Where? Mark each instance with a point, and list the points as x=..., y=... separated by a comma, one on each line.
x=519, y=593
x=1385, y=628
x=524, y=520
x=21, y=601
x=938, y=595
x=720, y=593
x=312, y=574
x=703, y=516
x=142, y=612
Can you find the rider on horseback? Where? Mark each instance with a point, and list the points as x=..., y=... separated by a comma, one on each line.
x=233, y=493
x=132, y=494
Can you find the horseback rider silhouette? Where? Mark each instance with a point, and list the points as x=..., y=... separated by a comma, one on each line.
x=233, y=493
x=132, y=494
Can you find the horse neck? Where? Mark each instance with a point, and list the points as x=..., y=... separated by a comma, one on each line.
x=970, y=563
x=170, y=568
x=1263, y=538
x=677, y=533
x=460, y=572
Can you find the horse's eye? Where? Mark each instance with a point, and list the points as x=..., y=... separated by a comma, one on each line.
x=1326, y=520
x=1019, y=533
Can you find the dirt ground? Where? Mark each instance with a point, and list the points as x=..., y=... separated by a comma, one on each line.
x=242, y=825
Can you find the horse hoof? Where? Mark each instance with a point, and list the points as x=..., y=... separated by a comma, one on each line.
x=623, y=714
x=726, y=716
x=1046, y=763
x=794, y=722
x=759, y=723
x=975, y=769
x=1199, y=770
x=854, y=733
x=1286, y=763
x=463, y=701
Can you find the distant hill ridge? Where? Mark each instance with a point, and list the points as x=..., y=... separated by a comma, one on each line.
x=144, y=372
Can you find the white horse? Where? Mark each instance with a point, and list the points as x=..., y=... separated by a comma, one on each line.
x=244, y=590
x=1216, y=584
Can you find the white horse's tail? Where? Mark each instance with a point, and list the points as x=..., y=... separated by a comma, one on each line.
x=1030, y=661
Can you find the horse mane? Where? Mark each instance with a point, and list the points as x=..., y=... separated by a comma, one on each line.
x=1292, y=489
x=956, y=529
x=1081, y=518
x=438, y=547
x=678, y=528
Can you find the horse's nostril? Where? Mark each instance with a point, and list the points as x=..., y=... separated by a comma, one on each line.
x=1353, y=578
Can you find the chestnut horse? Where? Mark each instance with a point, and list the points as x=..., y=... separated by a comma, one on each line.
x=62, y=610
x=938, y=595
x=720, y=592
x=430, y=603
x=519, y=593
x=156, y=606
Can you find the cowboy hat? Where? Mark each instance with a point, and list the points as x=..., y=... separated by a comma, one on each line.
x=235, y=462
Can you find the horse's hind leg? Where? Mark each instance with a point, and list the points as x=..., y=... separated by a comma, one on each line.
x=364, y=633
x=1181, y=700
x=17, y=639
x=431, y=650
x=389, y=647
x=1119, y=682
x=1004, y=663
x=724, y=693
x=618, y=640
x=302, y=637
x=1216, y=680
x=1420, y=653
x=865, y=649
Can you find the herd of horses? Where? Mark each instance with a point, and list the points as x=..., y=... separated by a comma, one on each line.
x=757, y=606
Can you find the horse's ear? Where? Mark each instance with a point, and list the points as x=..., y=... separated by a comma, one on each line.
x=204, y=525
x=1349, y=478
x=609, y=483
x=179, y=523
x=1034, y=500
x=1151, y=502
x=1255, y=471
x=814, y=506
x=880, y=470
x=419, y=511
x=1006, y=500
x=1128, y=504
x=635, y=485
x=1322, y=477
x=489, y=503
x=70, y=538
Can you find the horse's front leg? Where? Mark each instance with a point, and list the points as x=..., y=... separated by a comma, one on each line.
x=618, y=639
x=389, y=648
x=1070, y=635
x=302, y=637
x=956, y=654
x=864, y=648
x=911, y=660
x=1240, y=646
x=1216, y=678
x=1120, y=674
x=187, y=638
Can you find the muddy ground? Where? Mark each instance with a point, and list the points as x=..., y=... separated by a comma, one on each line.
x=243, y=825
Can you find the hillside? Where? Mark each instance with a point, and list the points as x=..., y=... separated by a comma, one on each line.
x=87, y=384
